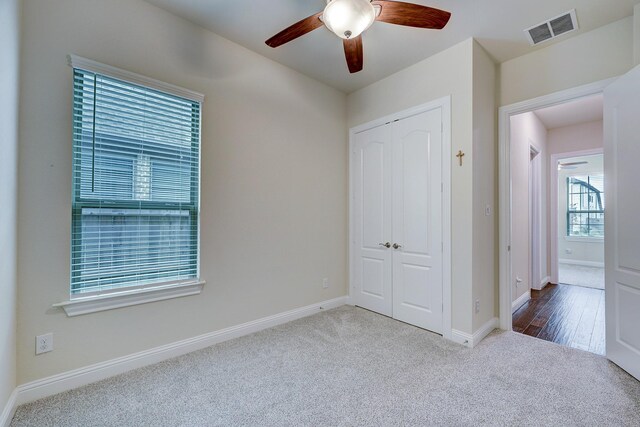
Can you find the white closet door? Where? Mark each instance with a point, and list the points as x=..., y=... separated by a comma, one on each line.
x=622, y=230
x=372, y=219
x=417, y=220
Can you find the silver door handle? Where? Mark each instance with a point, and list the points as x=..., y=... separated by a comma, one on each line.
x=396, y=246
x=386, y=245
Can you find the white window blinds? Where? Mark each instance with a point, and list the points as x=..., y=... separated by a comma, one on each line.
x=135, y=185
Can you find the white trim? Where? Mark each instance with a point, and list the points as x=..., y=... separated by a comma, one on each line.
x=553, y=205
x=473, y=340
x=580, y=239
x=520, y=301
x=445, y=104
x=485, y=330
x=409, y=112
x=504, y=182
x=78, y=377
x=447, y=303
x=535, y=213
x=79, y=62
x=462, y=338
x=544, y=282
x=9, y=409
x=126, y=298
x=582, y=263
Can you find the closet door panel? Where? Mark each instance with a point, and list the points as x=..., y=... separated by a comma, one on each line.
x=372, y=219
x=417, y=220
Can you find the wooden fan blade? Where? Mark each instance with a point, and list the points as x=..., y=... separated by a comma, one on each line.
x=411, y=15
x=353, y=53
x=298, y=29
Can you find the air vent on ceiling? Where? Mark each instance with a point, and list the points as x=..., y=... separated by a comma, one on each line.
x=552, y=28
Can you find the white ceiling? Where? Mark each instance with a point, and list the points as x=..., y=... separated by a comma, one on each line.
x=497, y=24
x=583, y=110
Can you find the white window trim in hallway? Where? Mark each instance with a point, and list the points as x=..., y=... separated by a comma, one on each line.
x=553, y=207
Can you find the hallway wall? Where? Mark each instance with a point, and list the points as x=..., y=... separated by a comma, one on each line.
x=526, y=131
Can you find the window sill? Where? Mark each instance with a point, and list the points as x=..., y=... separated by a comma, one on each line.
x=93, y=304
x=584, y=239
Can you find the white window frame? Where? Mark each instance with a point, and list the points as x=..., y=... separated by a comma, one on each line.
x=569, y=237
x=79, y=304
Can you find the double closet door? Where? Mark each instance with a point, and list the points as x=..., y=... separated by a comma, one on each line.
x=397, y=219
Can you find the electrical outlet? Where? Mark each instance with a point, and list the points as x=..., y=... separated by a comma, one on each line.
x=477, y=306
x=44, y=343
x=325, y=283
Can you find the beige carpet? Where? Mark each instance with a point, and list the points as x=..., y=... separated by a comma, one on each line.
x=351, y=367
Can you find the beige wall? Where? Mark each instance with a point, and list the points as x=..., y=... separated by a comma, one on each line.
x=446, y=73
x=583, y=136
x=9, y=57
x=485, y=181
x=526, y=130
x=596, y=55
x=274, y=181
x=274, y=169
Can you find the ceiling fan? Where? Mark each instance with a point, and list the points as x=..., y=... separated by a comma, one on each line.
x=348, y=19
x=570, y=165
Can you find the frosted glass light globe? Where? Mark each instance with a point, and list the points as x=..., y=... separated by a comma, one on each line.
x=348, y=18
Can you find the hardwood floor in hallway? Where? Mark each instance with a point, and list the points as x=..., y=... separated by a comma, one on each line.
x=565, y=314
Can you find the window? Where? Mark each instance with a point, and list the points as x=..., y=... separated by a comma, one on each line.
x=136, y=153
x=585, y=206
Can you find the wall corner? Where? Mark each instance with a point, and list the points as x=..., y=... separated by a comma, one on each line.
x=636, y=35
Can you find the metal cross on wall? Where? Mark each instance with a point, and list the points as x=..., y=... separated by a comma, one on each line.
x=460, y=155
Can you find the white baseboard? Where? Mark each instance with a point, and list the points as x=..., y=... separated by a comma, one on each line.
x=9, y=409
x=520, y=301
x=582, y=263
x=473, y=340
x=485, y=330
x=544, y=282
x=78, y=377
x=349, y=300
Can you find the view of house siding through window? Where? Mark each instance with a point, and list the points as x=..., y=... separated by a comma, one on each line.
x=135, y=178
x=585, y=206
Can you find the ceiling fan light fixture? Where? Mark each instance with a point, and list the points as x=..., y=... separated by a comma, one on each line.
x=348, y=18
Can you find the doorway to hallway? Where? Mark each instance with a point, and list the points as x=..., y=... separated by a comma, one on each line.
x=557, y=223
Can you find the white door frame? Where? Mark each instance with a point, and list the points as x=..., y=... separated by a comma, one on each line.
x=444, y=104
x=553, y=205
x=535, y=215
x=504, y=184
